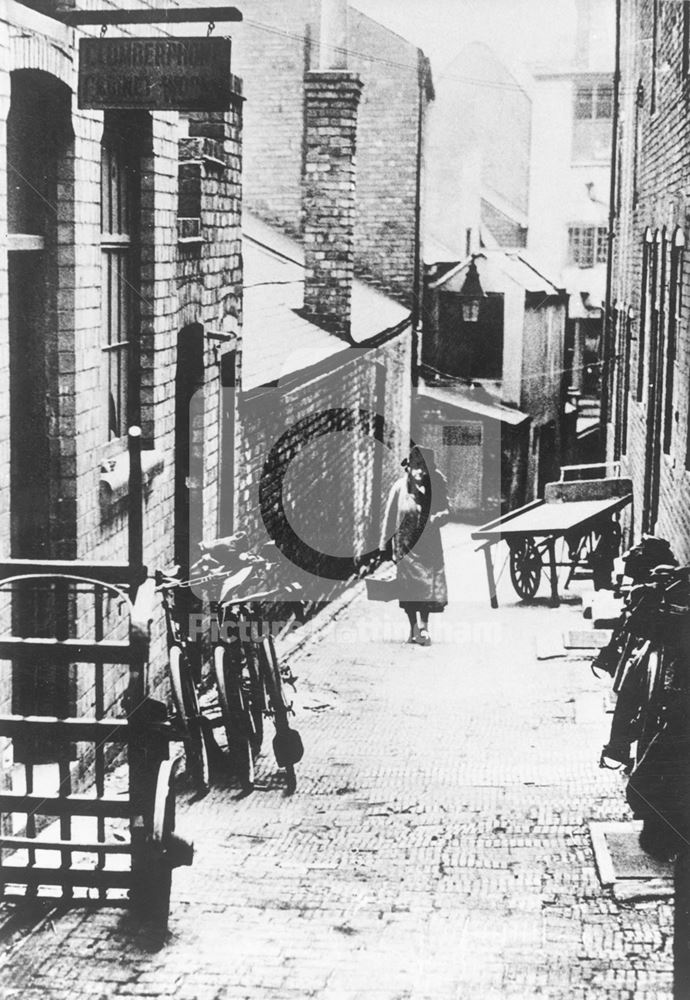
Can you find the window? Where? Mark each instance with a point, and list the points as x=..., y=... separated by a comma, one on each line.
x=618, y=370
x=674, y=313
x=625, y=364
x=644, y=313
x=587, y=245
x=593, y=114
x=639, y=104
x=119, y=182
x=594, y=102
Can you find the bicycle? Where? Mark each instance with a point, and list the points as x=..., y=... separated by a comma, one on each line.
x=648, y=730
x=249, y=677
x=181, y=656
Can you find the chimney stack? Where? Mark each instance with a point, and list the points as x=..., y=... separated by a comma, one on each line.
x=332, y=96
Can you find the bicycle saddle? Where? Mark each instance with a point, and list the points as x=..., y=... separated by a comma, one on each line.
x=232, y=583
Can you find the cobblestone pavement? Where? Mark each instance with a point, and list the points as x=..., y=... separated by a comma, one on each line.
x=436, y=849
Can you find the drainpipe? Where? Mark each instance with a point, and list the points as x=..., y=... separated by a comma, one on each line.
x=418, y=280
x=607, y=345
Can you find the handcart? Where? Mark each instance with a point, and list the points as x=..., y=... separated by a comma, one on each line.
x=582, y=513
x=87, y=805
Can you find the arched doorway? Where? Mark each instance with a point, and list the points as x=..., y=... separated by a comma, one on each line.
x=42, y=523
x=38, y=135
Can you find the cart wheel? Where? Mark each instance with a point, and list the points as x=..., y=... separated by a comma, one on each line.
x=525, y=567
x=236, y=720
x=187, y=707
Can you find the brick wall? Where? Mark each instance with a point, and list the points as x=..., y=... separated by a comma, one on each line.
x=180, y=286
x=335, y=479
x=274, y=47
x=654, y=137
x=329, y=196
x=397, y=92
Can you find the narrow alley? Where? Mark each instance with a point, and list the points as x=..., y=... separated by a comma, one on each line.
x=437, y=847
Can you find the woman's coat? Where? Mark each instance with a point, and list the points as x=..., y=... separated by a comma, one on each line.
x=412, y=525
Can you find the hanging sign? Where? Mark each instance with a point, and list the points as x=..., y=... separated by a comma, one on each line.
x=156, y=74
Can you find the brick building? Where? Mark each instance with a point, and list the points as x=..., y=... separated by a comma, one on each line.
x=520, y=159
x=500, y=366
x=478, y=156
x=572, y=101
x=276, y=43
x=120, y=304
x=331, y=250
x=648, y=348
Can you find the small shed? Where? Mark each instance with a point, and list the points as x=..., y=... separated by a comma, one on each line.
x=510, y=345
x=480, y=446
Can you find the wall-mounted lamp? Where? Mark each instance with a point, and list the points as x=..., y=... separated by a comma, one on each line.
x=472, y=294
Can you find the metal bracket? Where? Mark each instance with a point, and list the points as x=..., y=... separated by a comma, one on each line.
x=173, y=15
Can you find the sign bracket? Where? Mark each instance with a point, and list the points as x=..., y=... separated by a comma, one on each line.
x=173, y=15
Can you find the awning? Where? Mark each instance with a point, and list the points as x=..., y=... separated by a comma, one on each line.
x=477, y=402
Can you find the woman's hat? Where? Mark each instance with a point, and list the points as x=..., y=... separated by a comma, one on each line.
x=424, y=456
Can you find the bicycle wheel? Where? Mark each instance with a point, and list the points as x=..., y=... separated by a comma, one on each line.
x=628, y=647
x=255, y=694
x=189, y=713
x=652, y=706
x=287, y=743
x=235, y=713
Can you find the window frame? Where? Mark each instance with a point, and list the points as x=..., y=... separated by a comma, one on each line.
x=595, y=88
x=647, y=243
x=592, y=119
x=120, y=189
x=630, y=315
x=595, y=236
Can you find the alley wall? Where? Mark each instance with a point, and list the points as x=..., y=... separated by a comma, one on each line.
x=651, y=354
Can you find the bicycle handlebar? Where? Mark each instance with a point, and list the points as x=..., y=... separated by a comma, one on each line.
x=671, y=574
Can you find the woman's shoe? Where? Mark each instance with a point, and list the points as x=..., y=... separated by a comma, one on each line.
x=422, y=637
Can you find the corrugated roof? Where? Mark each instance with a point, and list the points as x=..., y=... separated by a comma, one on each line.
x=466, y=398
x=277, y=341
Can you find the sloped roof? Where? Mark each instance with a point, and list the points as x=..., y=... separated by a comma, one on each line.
x=278, y=341
x=479, y=403
x=495, y=266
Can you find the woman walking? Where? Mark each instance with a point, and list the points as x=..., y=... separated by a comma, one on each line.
x=417, y=507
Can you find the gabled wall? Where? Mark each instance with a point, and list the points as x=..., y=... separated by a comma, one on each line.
x=273, y=48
